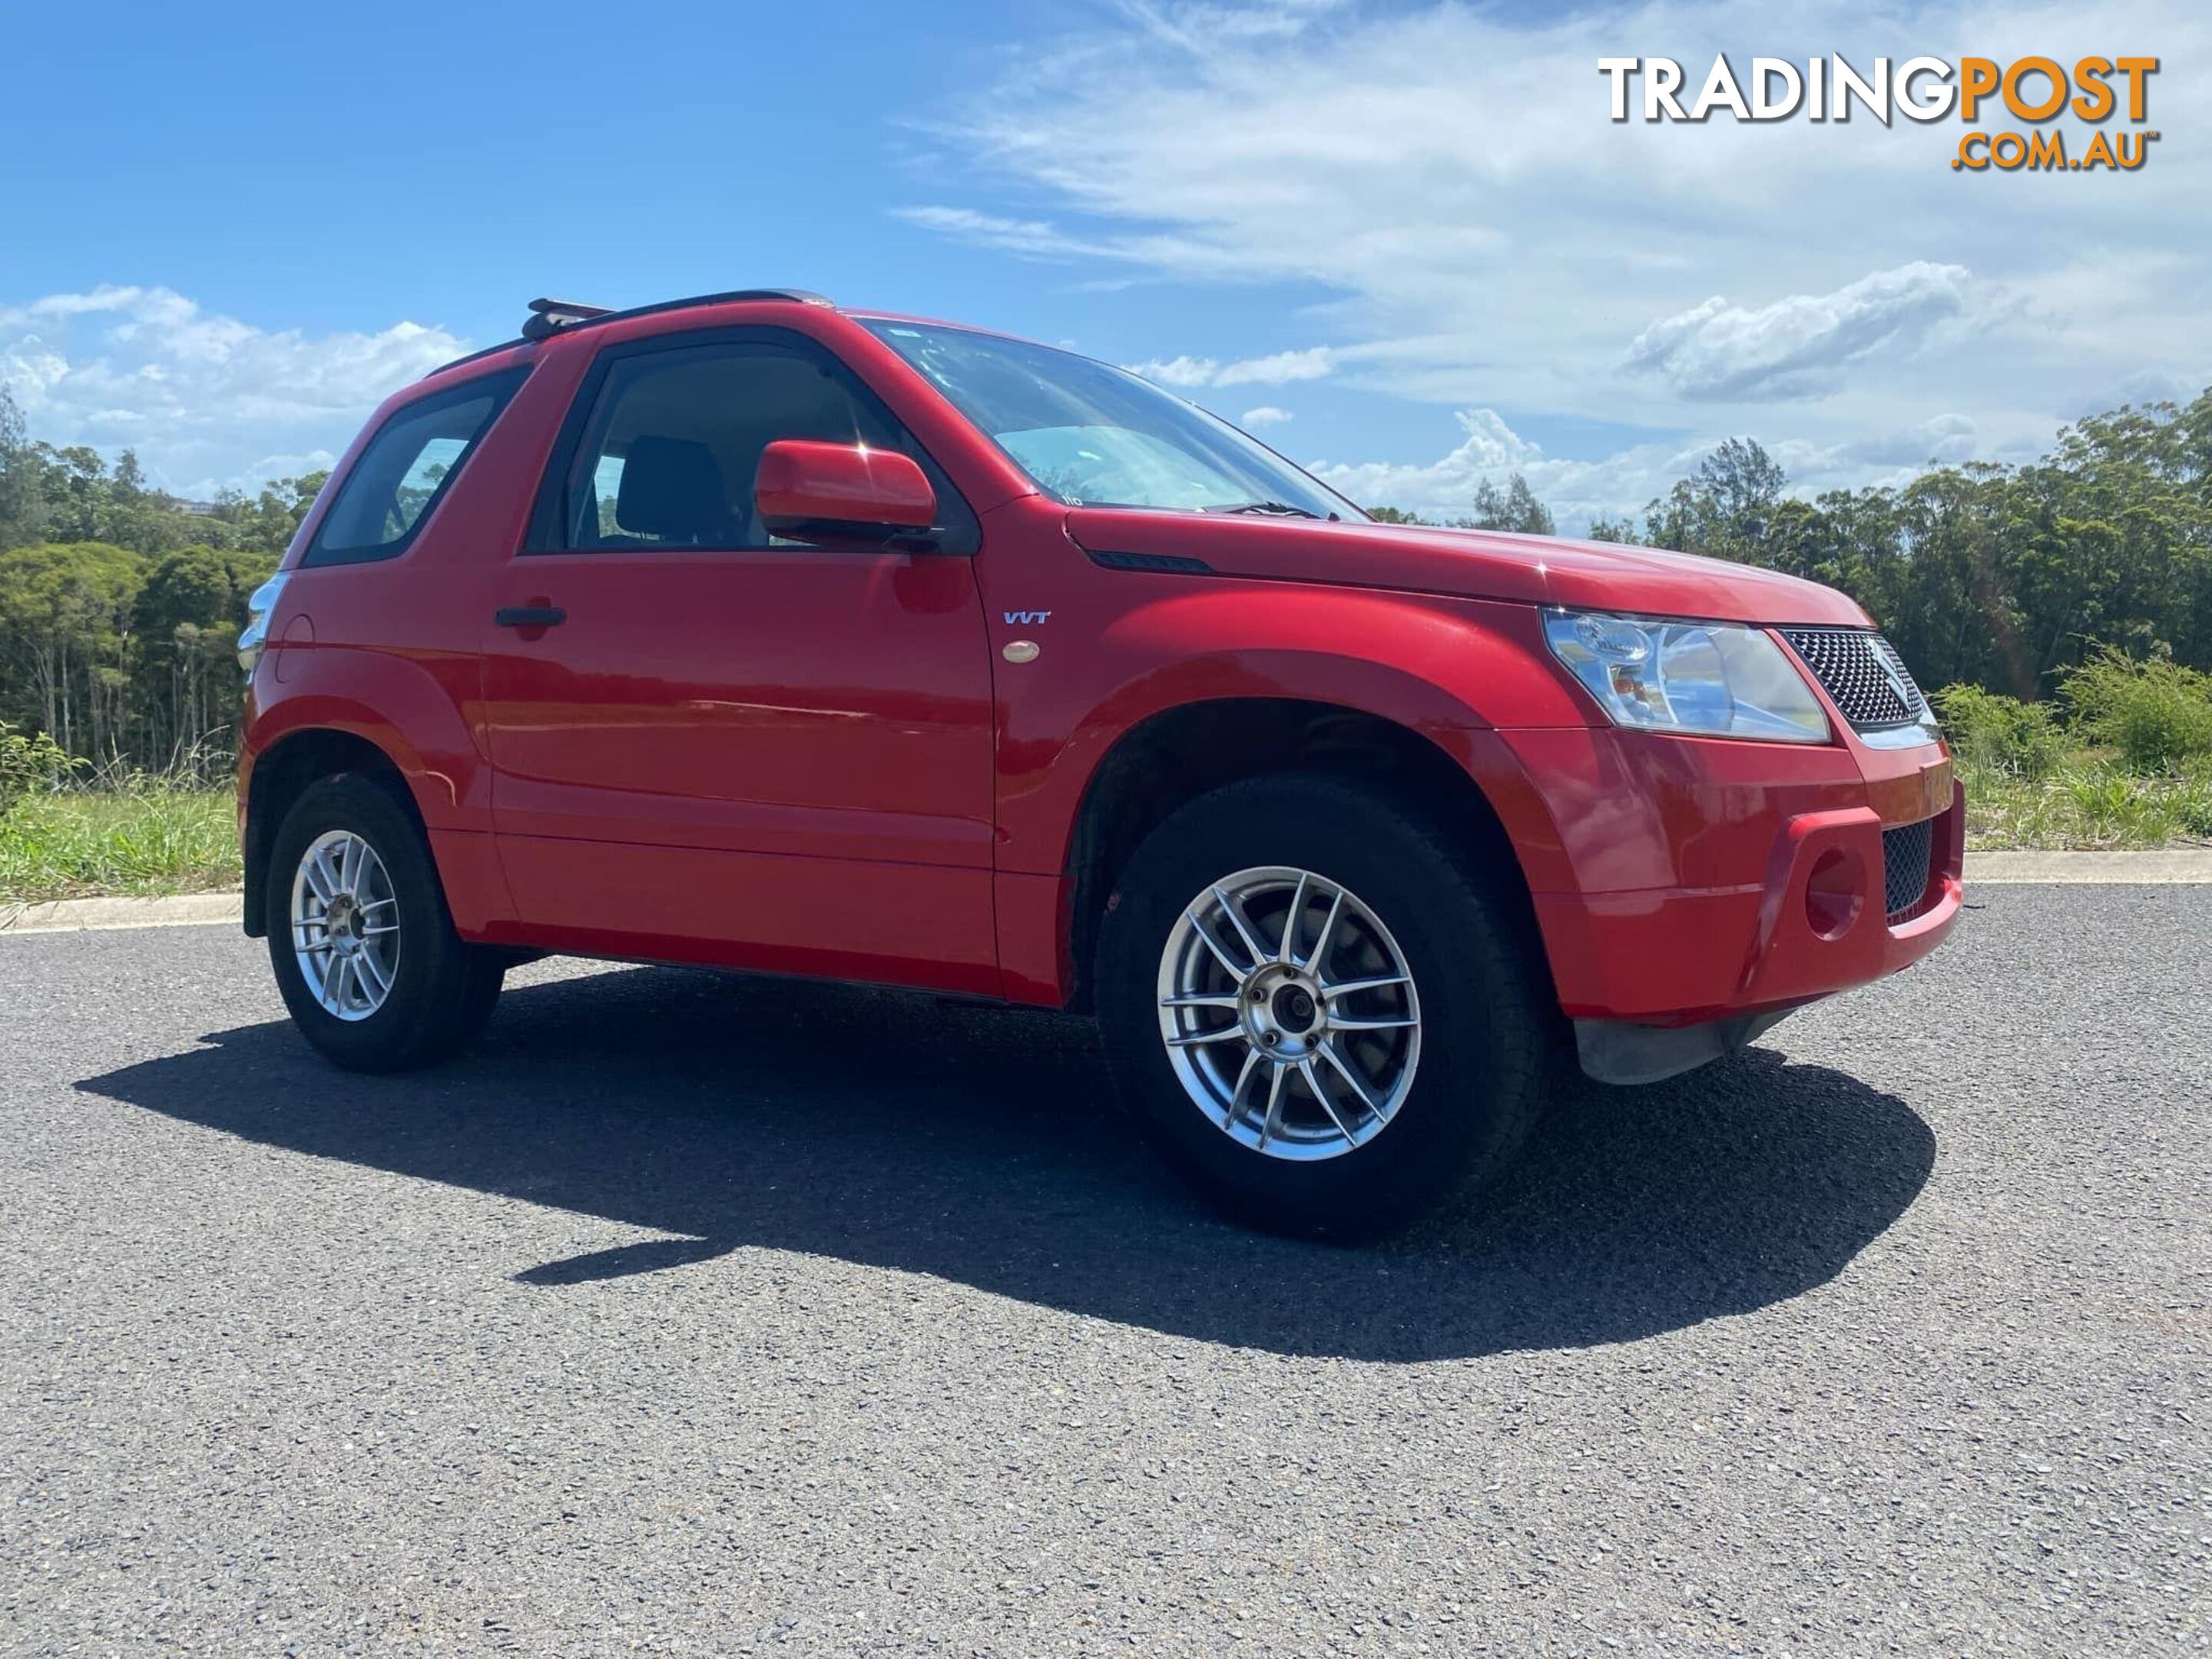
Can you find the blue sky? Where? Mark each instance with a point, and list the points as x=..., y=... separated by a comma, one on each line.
x=1407, y=231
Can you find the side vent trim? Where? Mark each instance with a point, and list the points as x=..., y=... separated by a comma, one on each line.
x=1166, y=563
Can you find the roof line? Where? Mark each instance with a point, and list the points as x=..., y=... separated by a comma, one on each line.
x=549, y=317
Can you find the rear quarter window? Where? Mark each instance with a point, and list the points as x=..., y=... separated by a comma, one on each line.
x=406, y=469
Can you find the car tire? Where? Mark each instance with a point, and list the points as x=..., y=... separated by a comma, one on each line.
x=1461, y=1062
x=404, y=999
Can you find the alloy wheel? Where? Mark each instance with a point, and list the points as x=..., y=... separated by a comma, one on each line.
x=345, y=924
x=1289, y=1013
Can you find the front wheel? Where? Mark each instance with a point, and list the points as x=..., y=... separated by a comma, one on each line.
x=363, y=947
x=1316, y=1003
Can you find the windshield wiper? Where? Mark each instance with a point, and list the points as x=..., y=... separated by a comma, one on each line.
x=1277, y=509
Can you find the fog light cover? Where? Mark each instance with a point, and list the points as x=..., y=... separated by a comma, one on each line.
x=1835, y=893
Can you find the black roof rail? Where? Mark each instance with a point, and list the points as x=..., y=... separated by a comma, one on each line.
x=546, y=315
x=549, y=317
x=729, y=296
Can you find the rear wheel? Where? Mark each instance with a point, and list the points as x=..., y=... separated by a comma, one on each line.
x=363, y=947
x=1318, y=1007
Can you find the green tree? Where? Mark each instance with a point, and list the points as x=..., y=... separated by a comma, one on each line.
x=1725, y=508
x=186, y=618
x=1514, y=508
x=268, y=520
x=66, y=641
x=22, y=503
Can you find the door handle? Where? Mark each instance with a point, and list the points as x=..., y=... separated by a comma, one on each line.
x=529, y=616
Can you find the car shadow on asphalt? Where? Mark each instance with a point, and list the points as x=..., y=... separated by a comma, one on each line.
x=982, y=1146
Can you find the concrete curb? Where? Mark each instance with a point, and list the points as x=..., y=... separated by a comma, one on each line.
x=80, y=915
x=2177, y=864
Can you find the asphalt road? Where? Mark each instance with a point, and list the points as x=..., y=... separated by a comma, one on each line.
x=694, y=1314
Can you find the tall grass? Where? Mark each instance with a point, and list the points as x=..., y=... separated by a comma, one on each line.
x=67, y=829
x=148, y=838
x=2090, y=802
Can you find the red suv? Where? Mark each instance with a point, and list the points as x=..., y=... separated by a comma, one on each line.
x=751, y=632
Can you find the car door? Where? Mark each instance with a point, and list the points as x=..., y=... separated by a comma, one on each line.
x=710, y=743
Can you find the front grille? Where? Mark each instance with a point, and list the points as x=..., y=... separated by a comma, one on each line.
x=1905, y=854
x=1861, y=673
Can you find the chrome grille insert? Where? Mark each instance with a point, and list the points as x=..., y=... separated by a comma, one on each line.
x=1861, y=673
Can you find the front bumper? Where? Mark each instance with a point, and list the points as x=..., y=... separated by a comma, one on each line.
x=1778, y=861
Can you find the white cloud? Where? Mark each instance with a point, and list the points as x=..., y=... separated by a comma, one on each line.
x=1037, y=237
x=1042, y=239
x=1576, y=491
x=1799, y=346
x=1182, y=372
x=1265, y=415
x=197, y=392
x=1277, y=368
x=1280, y=368
x=1488, y=448
x=253, y=474
x=1489, y=239
x=1624, y=482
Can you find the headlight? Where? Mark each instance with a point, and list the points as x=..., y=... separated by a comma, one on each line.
x=258, y=610
x=1717, y=678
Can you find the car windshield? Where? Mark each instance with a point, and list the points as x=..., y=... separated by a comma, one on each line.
x=1091, y=434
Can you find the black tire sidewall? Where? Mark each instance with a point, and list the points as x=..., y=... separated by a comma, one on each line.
x=1480, y=1030
x=431, y=990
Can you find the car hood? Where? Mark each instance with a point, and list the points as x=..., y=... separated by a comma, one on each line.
x=1467, y=564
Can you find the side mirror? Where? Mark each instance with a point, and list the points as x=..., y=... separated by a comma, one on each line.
x=813, y=491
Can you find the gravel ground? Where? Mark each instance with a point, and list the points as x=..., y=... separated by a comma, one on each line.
x=694, y=1314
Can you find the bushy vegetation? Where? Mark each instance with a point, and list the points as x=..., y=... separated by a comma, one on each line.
x=28, y=761
x=1996, y=734
x=2156, y=714
x=2122, y=759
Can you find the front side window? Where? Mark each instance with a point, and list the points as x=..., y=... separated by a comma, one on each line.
x=668, y=453
x=407, y=466
x=1091, y=434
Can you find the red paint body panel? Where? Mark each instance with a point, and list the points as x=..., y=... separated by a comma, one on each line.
x=1669, y=956
x=803, y=726
x=834, y=705
x=1033, y=913
x=820, y=762
x=1533, y=569
x=1127, y=644
x=883, y=923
